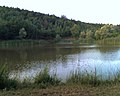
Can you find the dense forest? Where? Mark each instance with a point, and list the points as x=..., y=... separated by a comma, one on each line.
x=18, y=23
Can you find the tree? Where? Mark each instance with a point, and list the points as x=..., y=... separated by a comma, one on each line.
x=63, y=16
x=22, y=33
x=57, y=38
x=104, y=32
x=82, y=35
x=45, y=26
x=89, y=35
x=97, y=35
x=75, y=31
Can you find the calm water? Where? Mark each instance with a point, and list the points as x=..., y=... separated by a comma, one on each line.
x=61, y=59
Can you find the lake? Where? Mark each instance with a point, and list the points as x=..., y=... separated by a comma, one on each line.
x=62, y=60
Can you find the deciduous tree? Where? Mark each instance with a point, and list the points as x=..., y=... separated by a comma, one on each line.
x=75, y=31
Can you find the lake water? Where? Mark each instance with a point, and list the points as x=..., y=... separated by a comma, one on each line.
x=62, y=60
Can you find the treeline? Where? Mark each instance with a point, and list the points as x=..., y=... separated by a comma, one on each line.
x=23, y=24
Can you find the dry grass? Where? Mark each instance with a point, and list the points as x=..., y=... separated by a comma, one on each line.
x=67, y=90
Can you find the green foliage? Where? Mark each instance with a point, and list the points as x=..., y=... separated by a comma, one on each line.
x=23, y=24
x=5, y=81
x=75, y=30
x=57, y=38
x=83, y=35
x=44, y=79
x=89, y=35
x=22, y=33
x=26, y=83
x=84, y=78
x=105, y=31
x=112, y=40
x=38, y=25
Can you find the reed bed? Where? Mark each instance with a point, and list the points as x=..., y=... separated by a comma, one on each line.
x=43, y=79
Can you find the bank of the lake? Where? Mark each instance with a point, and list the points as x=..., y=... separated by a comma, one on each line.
x=29, y=42
x=45, y=85
x=44, y=42
x=23, y=43
x=66, y=90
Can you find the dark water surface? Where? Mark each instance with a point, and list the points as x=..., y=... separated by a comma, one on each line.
x=26, y=62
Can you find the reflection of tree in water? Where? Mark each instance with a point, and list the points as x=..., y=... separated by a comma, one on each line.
x=9, y=57
x=23, y=55
x=20, y=57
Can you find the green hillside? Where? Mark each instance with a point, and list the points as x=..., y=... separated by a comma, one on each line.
x=23, y=24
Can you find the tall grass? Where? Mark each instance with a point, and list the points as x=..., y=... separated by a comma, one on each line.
x=92, y=78
x=21, y=43
x=112, y=40
x=43, y=79
x=79, y=77
x=5, y=81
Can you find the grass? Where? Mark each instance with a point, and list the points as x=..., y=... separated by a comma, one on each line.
x=78, y=84
x=86, y=78
x=76, y=41
x=93, y=79
x=43, y=79
x=5, y=81
x=112, y=40
x=83, y=78
x=22, y=43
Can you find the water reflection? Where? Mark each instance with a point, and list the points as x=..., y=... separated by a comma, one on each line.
x=61, y=59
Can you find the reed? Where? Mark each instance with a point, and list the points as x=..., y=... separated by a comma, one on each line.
x=114, y=41
x=22, y=43
x=5, y=81
x=43, y=79
x=94, y=79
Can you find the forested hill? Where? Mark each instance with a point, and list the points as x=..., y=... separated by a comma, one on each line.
x=18, y=24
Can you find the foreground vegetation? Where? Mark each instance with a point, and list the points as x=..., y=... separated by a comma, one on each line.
x=44, y=80
x=78, y=84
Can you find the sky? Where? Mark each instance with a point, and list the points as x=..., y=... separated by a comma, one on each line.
x=89, y=11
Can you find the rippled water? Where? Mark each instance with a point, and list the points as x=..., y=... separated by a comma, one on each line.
x=61, y=59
